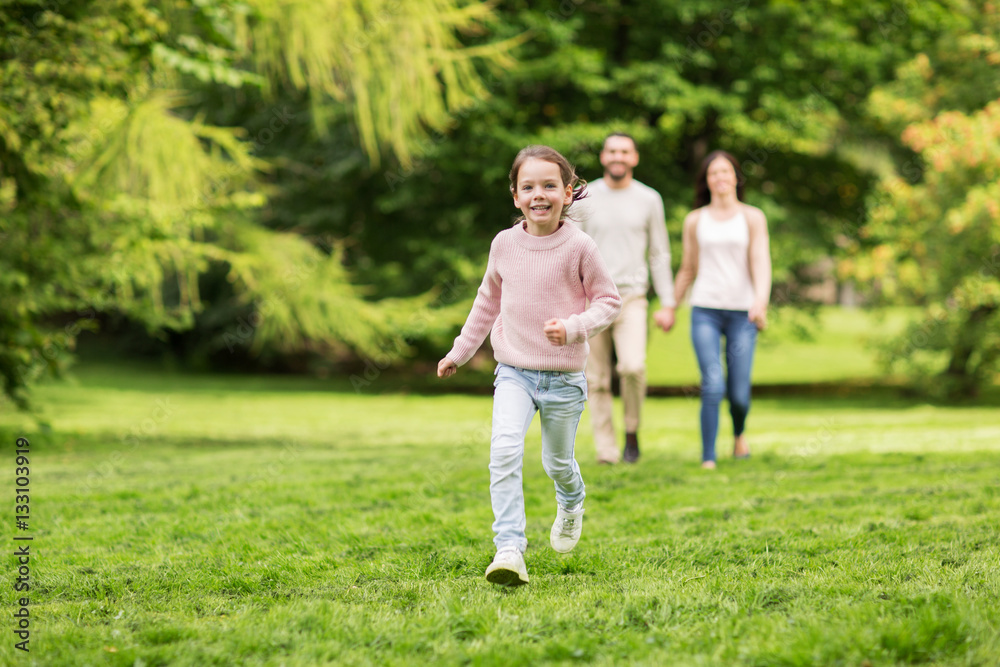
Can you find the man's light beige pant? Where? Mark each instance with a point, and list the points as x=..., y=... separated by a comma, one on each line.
x=628, y=335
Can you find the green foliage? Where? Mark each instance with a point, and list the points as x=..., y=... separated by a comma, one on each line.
x=781, y=85
x=202, y=44
x=181, y=162
x=934, y=229
x=52, y=64
x=117, y=197
x=399, y=66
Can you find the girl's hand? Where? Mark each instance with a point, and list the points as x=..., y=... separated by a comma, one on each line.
x=555, y=331
x=446, y=368
x=758, y=315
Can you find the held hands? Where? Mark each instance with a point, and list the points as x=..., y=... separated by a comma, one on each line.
x=555, y=331
x=446, y=368
x=758, y=315
x=664, y=318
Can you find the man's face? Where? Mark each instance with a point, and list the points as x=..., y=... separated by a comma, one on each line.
x=619, y=157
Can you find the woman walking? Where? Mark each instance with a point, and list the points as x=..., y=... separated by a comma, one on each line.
x=727, y=256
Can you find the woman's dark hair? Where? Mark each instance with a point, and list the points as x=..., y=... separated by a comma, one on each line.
x=702, y=196
x=566, y=171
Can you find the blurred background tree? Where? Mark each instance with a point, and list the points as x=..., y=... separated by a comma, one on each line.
x=932, y=236
x=119, y=199
x=282, y=184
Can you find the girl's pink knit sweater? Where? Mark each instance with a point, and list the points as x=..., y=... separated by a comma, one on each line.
x=529, y=280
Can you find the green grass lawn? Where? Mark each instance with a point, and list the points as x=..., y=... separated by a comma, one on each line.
x=210, y=520
x=842, y=346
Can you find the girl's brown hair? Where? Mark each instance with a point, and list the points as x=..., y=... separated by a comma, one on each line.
x=566, y=171
x=702, y=196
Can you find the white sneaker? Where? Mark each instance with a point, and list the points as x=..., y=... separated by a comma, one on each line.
x=507, y=568
x=566, y=529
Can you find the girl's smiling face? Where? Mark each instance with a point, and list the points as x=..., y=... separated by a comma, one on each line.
x=541, y=195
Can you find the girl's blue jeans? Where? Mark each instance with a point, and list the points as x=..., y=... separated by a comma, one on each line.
x=559, y=397
x=708, y=325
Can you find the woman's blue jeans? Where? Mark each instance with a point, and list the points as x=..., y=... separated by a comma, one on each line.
x=708, y=325
x=559, y=397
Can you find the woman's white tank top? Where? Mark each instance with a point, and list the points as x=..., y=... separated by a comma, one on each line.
x=723, y=279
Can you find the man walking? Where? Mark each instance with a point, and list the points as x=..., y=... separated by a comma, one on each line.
x=626, y=220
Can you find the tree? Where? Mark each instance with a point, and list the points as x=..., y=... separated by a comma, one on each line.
x=383, y=59
x=779, y=84
x=53, y=65
x=118, y=197
x=933, y=234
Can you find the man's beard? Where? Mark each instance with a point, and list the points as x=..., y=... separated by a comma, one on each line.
x=617, y=176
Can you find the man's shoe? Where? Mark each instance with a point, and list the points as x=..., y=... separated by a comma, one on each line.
x=566, y=529
x=631, y=454
x=507, y=568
